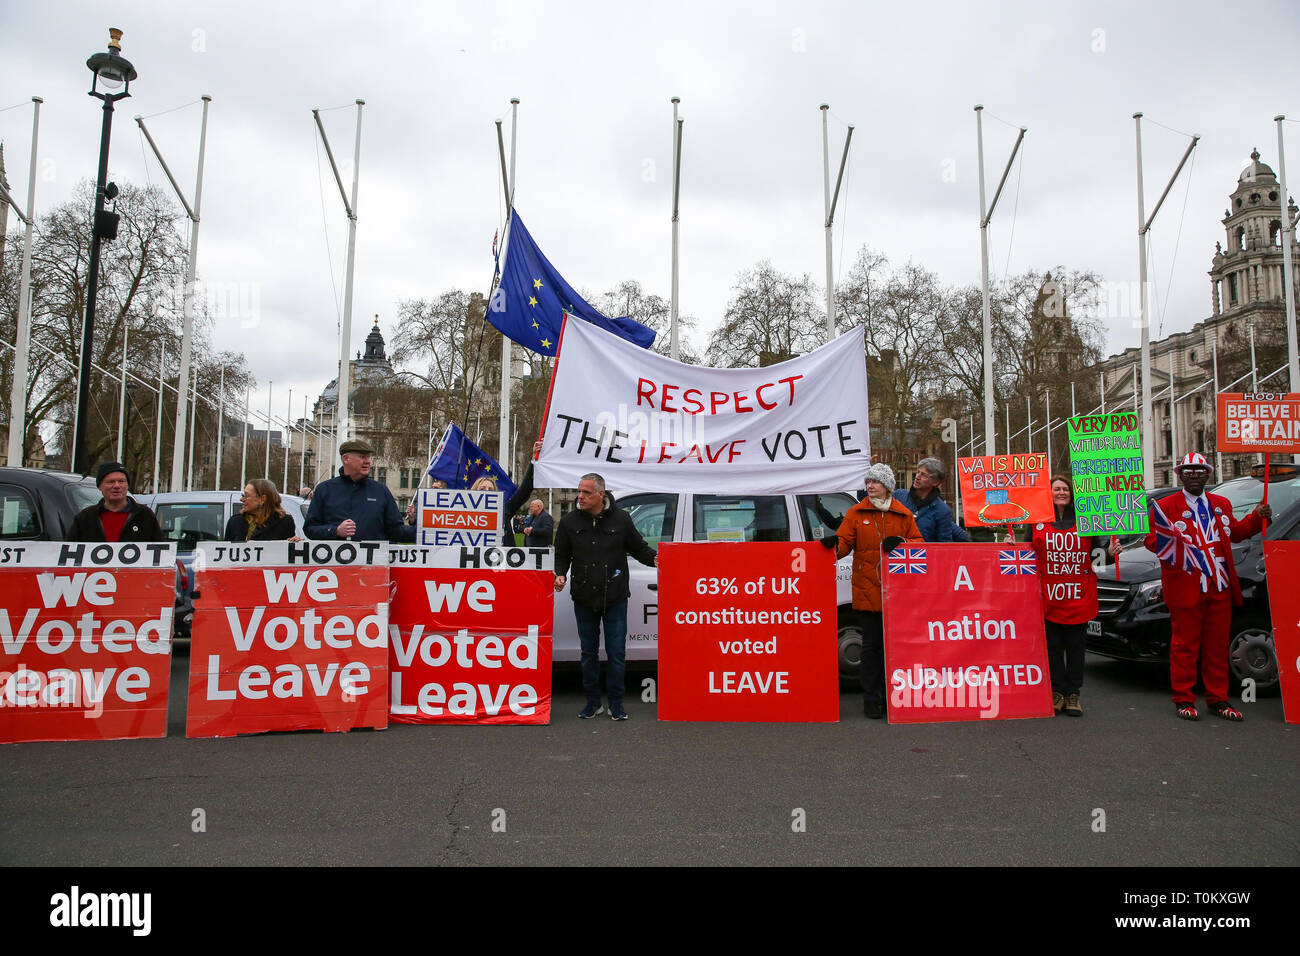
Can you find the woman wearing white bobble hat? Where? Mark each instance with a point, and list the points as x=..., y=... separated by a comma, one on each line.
x=864, y=531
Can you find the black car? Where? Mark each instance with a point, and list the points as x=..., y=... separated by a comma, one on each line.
x=39, y=505
x=1133, y=621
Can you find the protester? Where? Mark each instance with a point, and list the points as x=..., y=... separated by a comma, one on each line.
x=864, y=530
x=933, y=516
x=118, y=516
x=353, y=505
x=1069, y=588
x=261, y=517
x=517, y=499
x=596, y=539
x=541, y=526
x=1191, y=534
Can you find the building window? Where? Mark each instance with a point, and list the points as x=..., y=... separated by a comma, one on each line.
x=1196, y=405
x=1193, y=355
x=405, y=480
x=381, y=475
x=1232, y=287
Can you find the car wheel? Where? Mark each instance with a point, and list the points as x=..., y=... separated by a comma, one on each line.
x=1252, y=654
x=850, y=649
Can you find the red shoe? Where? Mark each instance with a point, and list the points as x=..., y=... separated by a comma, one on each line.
x=1222, y=709
x=1187, y=711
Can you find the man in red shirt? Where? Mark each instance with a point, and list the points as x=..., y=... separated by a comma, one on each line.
x=118, y=516
x=1192, y=534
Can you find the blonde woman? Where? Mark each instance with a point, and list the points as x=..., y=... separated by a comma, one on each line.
x=261, y=518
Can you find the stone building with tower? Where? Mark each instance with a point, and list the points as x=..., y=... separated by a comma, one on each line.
x=1246, y=329
x=388, y=411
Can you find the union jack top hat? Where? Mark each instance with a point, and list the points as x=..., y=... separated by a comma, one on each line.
x=1193, y=459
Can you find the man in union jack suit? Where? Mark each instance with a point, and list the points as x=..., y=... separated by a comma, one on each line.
x=1191, y=532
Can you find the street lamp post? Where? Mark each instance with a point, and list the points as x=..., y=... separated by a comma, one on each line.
x=110, y=71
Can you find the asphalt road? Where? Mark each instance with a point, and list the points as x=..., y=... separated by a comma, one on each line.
x=1024, y=792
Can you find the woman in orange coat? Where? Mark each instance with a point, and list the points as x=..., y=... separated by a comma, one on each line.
x=863, y=531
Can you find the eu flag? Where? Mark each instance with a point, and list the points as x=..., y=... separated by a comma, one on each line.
x=530, y=302
x=459, y=462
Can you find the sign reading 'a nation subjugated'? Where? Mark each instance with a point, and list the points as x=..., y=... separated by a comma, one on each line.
x=747, y=632
x=964, y=636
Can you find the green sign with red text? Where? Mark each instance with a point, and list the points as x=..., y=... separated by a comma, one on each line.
x=1106, y=467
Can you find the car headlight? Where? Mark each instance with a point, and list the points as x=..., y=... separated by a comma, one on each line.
x=1148, y=594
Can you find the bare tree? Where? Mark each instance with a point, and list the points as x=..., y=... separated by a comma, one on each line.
x=771, y=317
x=141, y=290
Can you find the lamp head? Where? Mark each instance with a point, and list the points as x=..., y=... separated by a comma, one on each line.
x=111, y=69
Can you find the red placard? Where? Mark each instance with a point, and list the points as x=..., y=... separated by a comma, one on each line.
x=1258, y=422
x=964, y=636
x=756, y=644
x=289, y=636
x=85, y=640
x=1282, y=561
x=471, y=636
x=1005, y=489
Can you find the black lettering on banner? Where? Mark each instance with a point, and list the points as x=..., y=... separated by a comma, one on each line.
x=844, y=439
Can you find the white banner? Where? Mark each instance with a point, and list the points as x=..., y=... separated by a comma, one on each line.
x=647, y=423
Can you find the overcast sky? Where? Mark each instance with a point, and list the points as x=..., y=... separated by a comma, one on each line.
x=594, y=142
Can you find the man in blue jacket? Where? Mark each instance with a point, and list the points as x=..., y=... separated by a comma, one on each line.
x=353, y=505
x=933, y=516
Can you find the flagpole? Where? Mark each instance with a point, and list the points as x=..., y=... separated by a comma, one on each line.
x=674, y=350
x=1048, y=436
x=302, y=450
x=121, y=399
x=221, y=424
x=243, y=458
x=288, y=440
x=191, y=267
x=18, y=392
x=1288, y=280
x=267, y=464
x=157, y=428
x=1144, y=226
x=194, y=414
x=341, y=407
x=1218, y=455
x=985, y=217
x=507, y=351
x=830, y=213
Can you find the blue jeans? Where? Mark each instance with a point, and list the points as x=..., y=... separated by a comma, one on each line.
x=589, y=622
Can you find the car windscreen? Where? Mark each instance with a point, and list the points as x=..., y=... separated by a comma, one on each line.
x=1246, y=493
x=187, y=523
x=82, y=495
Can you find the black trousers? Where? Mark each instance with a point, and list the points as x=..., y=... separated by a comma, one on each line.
x=872, y=670
x=1065, y=647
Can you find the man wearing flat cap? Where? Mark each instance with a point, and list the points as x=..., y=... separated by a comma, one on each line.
x=118, y=516
x=353, y=505
x=1192, y=533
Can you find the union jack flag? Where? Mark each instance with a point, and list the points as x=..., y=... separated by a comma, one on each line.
x=1017, y=561
x=907, y=561
x=1167, y=539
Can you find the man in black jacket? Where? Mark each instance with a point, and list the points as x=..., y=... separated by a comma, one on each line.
x=541, y=526
x=118, y=516
x=353, y=505
x=596, y=540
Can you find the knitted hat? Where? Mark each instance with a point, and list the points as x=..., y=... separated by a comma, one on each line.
x=882, y=473
x=109, y=467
